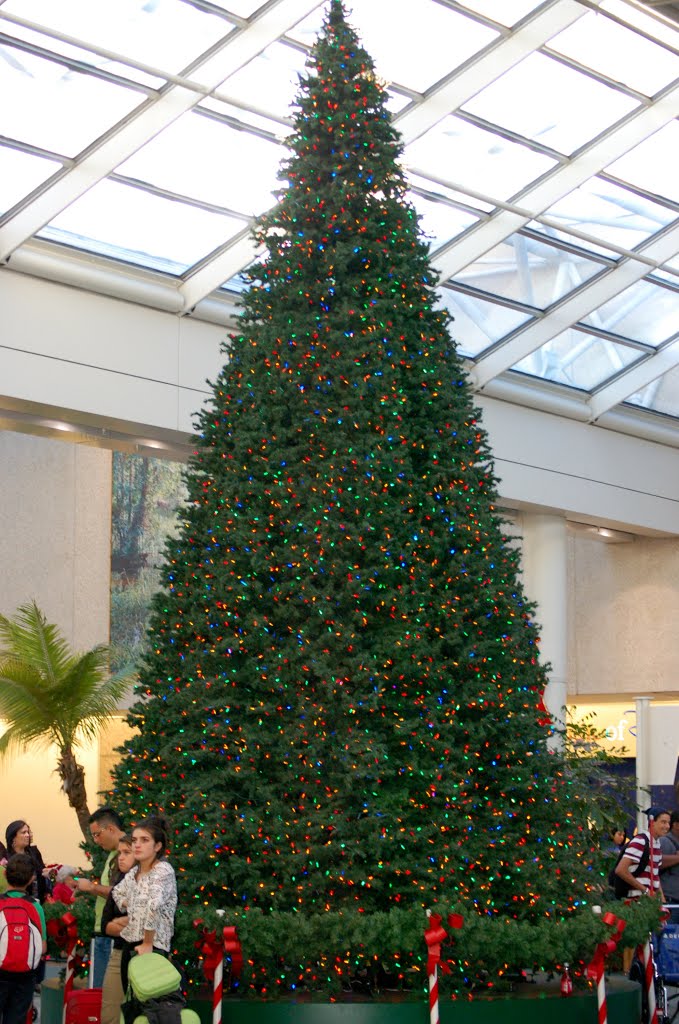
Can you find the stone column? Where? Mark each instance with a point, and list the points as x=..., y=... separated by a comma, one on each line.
x=545, y=574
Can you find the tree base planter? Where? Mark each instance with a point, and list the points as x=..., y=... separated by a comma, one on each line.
x=531, y=1004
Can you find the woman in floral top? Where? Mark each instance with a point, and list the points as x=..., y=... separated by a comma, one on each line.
x=148, y=894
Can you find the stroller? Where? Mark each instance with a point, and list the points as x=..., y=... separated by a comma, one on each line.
x=154, y=993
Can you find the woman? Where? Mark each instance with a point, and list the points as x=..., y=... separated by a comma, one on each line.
x=18, y=839
x=147, y=894
x=112, y=923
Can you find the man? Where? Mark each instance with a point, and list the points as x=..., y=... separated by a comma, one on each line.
x=645, y=846
x=105, y=829
x=669, y=845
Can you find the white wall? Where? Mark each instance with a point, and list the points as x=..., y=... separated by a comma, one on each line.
x=55, y=529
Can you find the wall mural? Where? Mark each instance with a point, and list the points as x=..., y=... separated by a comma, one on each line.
x=146, y=496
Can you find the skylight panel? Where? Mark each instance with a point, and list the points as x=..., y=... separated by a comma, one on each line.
x=20, y=173
x=269, y=82
x=652, y=165
x=205, y=159
x=548, y=102
x=96, y=61
x=463, y=154
x=133, y=225
x=617, y=52
x=578, y=360
x=478, y=323
x=166, y=35
x=644, y=312
x=54, y=107
x=522, y=269
x=508, y=12
x=440, y=222
x=662, y=394
x=612, y=213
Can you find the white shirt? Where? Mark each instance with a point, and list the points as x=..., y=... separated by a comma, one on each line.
x=150, y=901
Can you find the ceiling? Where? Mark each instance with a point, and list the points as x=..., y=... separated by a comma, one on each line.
x=541, y=139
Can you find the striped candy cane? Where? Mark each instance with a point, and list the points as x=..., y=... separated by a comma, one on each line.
x=68, y=981
x=217, y=993
x=434, y=936
x=649, y=981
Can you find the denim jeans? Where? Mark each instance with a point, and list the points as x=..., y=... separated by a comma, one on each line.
x=16, y=995
x=101, y=951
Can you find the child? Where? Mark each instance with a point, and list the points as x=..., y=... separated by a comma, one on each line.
x=23, y=940
x=112, y=923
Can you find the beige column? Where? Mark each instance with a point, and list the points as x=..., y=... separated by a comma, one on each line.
x=545, y=574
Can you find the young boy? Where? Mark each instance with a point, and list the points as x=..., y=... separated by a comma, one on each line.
x=23, y=940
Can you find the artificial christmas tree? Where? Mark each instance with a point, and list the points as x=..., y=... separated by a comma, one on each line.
x=341, y=705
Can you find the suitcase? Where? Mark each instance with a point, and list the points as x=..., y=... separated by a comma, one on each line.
x=152, y=976
x=83, y=1006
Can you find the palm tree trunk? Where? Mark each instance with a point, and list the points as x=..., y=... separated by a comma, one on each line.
x=72, y=777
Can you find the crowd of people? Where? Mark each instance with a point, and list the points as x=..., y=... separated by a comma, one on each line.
x=135, y=904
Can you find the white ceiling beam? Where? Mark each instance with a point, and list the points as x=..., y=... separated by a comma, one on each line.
x=499, y=57
x=609, y=146
x=573, y=309
x=213, y=275
x=132, y=132
x=634, y=379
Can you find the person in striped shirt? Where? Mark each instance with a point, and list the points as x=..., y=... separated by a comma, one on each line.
x=646, y=881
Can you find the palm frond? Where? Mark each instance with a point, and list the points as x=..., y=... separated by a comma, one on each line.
x=15, y=741
x=30, y=638
x=22, y=694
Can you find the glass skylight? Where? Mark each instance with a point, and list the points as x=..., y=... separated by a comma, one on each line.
x=579, y=360
x=167, y=35
x=644, y=312
x=136, y=226
x=20, y=173
x=495, y=99
x=270, y=81
x=601, y=44
x=652, y=164
x=200, y=157
x=56, y=107
x=568, y=110
x=528, y=271
x=478, y=324
x=613, y=214
x=461, y=154
x=506, y=13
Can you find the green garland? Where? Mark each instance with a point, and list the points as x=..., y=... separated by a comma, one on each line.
x=326, y=954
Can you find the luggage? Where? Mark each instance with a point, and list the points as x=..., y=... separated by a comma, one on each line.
x=188, y=1017
x=152, y=976
x=83, y=1006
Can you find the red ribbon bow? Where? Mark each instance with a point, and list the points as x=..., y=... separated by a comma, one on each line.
x=596, y=966
x=233, y=949
x=213, y=948
x=64, y=931
x=434, y=936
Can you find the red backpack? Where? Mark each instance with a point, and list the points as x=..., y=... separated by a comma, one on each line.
x=20, y=934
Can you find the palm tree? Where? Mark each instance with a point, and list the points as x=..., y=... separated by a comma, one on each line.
x=50, y=695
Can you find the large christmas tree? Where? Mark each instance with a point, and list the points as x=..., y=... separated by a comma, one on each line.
x=341, y=706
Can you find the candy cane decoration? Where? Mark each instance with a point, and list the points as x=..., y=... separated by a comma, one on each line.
x=649, y=981
x=218, y=992
x=434, y=936
x=596, y=969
